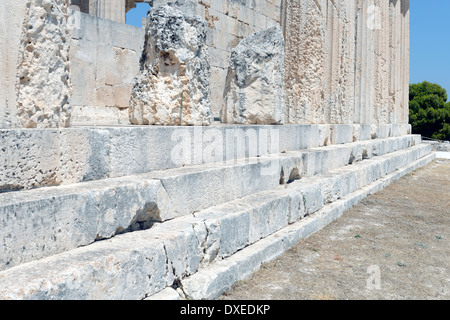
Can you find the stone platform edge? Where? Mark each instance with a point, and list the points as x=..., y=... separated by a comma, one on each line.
x=213, y=281
x=34, y=158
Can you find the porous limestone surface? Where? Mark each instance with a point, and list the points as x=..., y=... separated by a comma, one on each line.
x=11, y=23
x=254, y=90
x=320, y=44
x=187, y=252
x=35, y=84
x=174, y=85
x=44, y=76
x=79, y=214
x=229, y=21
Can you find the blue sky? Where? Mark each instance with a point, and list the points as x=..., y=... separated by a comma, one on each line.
x=430, y=39
x=134, y=17
x=430, y=42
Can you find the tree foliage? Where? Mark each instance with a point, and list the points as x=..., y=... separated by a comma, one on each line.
x=429, y=113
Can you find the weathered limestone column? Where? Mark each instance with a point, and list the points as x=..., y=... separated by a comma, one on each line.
x=399, y=55
x=339, y=54
x=403, y=116
x=35, y=77
x=364, y=64
x=304, y=60
x=93, y=7
x=173, y=87
x=347, y=61
x=320, y=60
x=400, y=11
x=382, y=62
x=378, y=24
x=111, y=10
x=254, y=90
x=12, y=15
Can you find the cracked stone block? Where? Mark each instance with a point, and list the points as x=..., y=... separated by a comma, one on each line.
x=254, y=90
x=76, y=216
x=173, y=87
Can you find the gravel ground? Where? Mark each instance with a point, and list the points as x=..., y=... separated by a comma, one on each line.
x=392, y=246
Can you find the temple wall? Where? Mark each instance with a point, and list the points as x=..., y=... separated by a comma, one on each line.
x=105, y=59
x=345, y=61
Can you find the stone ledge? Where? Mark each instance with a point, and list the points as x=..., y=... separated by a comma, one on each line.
x=50, y=157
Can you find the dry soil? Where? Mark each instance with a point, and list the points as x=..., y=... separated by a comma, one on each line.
x=392, y=246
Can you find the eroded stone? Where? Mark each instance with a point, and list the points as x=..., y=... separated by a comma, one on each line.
x=173, y=87
x=44, y=84
x=254, y=92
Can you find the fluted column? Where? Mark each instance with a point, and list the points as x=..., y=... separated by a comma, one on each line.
x=111, y=10
x=404, y=116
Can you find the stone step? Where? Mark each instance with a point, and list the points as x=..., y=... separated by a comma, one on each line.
x=194, y=251
x=214, y=280
x=41, y=222
x=48, y=157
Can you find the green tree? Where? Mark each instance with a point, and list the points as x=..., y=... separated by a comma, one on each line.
x=429, y=113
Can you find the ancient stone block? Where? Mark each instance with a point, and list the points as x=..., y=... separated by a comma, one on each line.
x=43, y=71
x=173, y=87
x=35, y=80
x=254, y=92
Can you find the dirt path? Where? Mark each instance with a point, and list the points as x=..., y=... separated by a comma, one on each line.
x=393, y=245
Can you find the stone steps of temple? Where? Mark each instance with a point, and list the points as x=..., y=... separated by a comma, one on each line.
x=42, y=222
x=212, y=281
x=204, y=253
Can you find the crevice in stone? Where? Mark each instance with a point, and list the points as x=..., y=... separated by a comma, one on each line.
x=167, y=261
x=178, y=287
x=365, y=154
x=144, y=219
x=351, y=159
x=294, y=175
x=282, y=181
x=210, y=252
